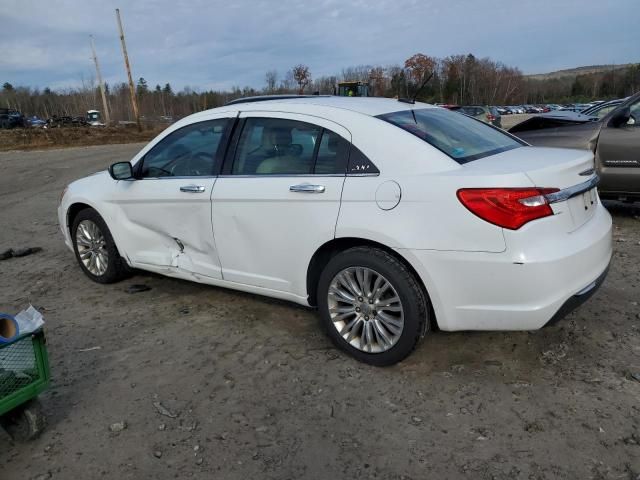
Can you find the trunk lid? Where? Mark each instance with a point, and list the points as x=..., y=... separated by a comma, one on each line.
x=559, y=168
x=546, y=167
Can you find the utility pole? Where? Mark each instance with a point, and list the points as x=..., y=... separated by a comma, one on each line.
x=105, y=106
x=132, y=89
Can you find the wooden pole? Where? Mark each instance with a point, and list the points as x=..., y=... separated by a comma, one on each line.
x=105, y=105
x=132, y=89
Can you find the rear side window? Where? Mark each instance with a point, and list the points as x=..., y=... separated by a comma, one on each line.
x=461, y=138
x=333, y=153
x=359, y=163
x=275, y=146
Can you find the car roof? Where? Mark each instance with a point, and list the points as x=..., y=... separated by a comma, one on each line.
x=372, y=106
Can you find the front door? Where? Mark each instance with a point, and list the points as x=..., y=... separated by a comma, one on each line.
x=166, y=211
x=278, y=198
x=618, y=155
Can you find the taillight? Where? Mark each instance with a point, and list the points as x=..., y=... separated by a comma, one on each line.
x=490, y=117
x=507, y=207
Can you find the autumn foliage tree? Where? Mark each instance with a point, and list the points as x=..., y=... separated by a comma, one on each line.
x=302, y=76
x=419, y=66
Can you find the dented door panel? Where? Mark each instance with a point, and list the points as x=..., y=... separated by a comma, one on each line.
x=166, y=226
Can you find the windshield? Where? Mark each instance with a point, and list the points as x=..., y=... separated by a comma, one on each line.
x=462, y=138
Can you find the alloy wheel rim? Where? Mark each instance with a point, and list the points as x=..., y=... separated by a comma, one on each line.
x=365, y=309
x=92, y=248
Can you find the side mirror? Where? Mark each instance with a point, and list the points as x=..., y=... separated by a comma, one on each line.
x=620, y=117
x=121, y=171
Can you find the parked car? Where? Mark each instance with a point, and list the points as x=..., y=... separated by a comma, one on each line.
x=10, y=118
x=483, y=113
x=36, y=122
x=57, y=121
x=392, y=218
x=576, y=107
x=614, y=138
x=601, y=109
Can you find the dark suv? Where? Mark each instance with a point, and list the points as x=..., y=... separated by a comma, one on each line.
x=11, y=118
x=614, y=138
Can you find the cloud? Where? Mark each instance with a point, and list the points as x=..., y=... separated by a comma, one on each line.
x=205, y=43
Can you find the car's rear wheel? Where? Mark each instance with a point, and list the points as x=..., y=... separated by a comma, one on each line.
x=95, y=249
x=372, y=306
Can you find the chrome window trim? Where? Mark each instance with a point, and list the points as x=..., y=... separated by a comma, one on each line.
x=181, y=177
x=294, y=175
x=282, y=175
x=571, y=192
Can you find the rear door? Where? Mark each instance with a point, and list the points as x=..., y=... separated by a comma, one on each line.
x=278, y=198
x=618, y=155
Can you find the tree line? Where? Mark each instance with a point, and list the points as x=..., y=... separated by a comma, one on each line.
x=456, y=79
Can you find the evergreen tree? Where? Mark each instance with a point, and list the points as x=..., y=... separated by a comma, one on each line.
x=142, y=88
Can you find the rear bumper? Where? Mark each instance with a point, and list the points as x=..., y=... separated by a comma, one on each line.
x=578, y=299
x=521, y=288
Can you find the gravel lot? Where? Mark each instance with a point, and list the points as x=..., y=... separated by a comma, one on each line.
x=509, y=121
x=218, y=384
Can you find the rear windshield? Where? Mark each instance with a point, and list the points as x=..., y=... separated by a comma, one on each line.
x=462, y=138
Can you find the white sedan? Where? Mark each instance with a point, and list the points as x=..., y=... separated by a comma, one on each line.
x=392, y=218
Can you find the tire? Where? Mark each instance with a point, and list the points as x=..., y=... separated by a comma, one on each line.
x=386, y=345
x=114, y=268
x=25, y=422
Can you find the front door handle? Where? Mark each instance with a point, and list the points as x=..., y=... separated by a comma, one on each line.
x=307, y=188
x=192, y=189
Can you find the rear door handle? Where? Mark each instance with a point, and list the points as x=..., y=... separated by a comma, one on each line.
x=192, y=189
x=307, y=188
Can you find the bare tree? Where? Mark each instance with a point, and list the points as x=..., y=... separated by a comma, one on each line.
x=271, y=79
x=377, y=81
x=302, y=76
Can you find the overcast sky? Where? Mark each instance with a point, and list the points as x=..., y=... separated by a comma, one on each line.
x=218, y=44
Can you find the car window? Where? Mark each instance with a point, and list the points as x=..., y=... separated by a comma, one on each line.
x=276, y=146
x=191, y=151
x=461, y=138
x=333, y=154
x=600, y=112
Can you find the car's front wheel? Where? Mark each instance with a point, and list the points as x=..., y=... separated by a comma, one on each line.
x=95, y=249
x=372, y=305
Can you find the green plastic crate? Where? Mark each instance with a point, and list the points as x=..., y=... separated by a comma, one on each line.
x=24, y=370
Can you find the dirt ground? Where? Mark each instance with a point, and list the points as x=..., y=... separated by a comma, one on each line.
x=214, y=383
x=44, y=138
